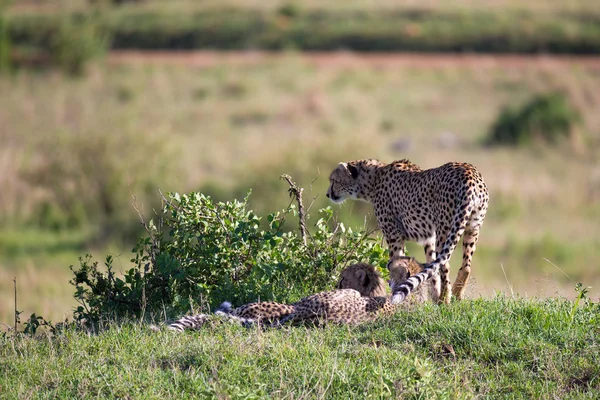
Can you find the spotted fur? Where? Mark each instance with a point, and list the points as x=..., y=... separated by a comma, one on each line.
x=342, y=306
x=359, y=298
x=246, y=315
x=434, y=207
x=402, y=269
x=364, y=278
x=347, y=306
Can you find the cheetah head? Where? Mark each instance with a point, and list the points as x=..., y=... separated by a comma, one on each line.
x=401, y=268
x=363, y=278
x=343, y=183
x=353, y=180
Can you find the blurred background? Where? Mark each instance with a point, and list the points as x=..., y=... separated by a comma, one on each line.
x=103, y=101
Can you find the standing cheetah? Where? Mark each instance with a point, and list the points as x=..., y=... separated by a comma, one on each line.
x=433, y=207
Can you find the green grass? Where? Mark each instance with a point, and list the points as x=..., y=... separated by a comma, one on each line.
x=495, y=348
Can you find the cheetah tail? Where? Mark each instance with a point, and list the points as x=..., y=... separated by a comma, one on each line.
x=189, y=322
x=401, y=290
x=225, y=308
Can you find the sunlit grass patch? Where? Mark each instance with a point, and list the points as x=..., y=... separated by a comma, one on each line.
x=492, y=348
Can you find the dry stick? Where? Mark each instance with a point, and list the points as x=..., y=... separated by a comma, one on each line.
x=16, y=312
x=152, y=252
x=512, y=294
x=296, y=192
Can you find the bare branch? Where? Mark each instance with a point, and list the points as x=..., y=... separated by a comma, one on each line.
x=151, y=232
x=166, y=201
x=296, y=192
x=16, y=312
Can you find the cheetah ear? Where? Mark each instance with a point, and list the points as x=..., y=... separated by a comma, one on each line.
x=361, y=276
x=349, y=169
x=353, y=171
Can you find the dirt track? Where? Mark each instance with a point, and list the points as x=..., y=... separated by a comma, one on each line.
x=349, y=60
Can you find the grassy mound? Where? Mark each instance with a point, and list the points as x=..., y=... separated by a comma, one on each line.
x=492, y=348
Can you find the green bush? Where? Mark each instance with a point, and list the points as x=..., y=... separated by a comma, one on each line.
x=200, y=253
x=546, y=117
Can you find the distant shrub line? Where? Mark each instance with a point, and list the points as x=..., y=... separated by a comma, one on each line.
x=372, y=30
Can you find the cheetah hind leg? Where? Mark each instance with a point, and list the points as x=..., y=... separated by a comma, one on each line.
x=469, y=245
x=445, y=284
x=442, y=281
x=435, y=285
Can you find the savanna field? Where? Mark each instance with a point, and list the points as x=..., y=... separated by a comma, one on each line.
x=285, y=88
x=226, y=127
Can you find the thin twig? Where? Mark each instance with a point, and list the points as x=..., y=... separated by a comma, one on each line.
x=512, y=294
x=564, y=273
x=296, y=192
x=155, y=238
x=312, y=203
x=314, y=198
x=167, y=201
x=16, y=312
x=363, y=238
x=140, y=215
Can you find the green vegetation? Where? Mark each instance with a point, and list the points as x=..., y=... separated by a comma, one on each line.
x=76, y=41
x=495, y=348
x=199, y=252
x=546, y=117
x=5, y=44
x=77, y=150
x=506, y=29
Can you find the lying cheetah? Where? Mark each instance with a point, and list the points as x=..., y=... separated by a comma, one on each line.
x=347, y=306
x=433, y=207
x=343, y=305
x=401, y=269
x=365, y=276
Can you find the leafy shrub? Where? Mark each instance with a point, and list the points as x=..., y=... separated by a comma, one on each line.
x=547, y=117
x=200, y=252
